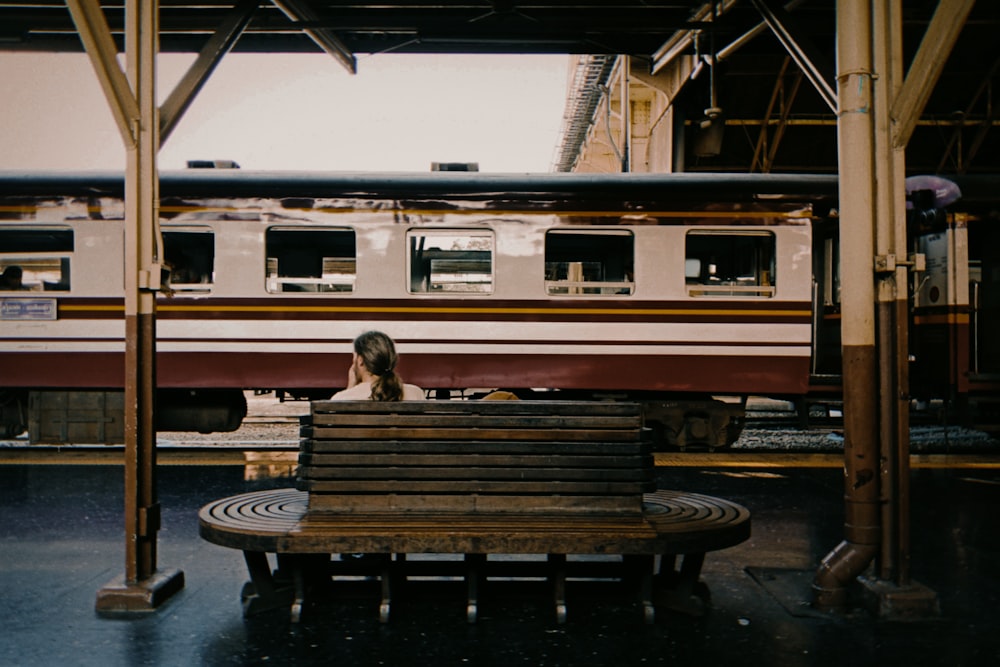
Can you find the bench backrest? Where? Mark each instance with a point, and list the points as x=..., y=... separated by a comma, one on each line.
x=551, y=457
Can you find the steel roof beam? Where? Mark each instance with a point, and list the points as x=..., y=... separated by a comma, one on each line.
x=935, y=47
x=812, y=63
x=984, y=125
x=100, y=46
x=681, y=41
x=325, y=38
x=211, y=54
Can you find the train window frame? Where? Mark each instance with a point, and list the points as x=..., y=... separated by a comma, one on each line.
x=43, y=253
x=195, y=273
x=564, y=277
x=420, y=270
x=704, y=278
x=333, y=271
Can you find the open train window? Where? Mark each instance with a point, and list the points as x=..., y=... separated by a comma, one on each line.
x=729, y=263
x=451, y=261
x=35, y=259
x=596, y=261
x=190, y=256
x=311, y=259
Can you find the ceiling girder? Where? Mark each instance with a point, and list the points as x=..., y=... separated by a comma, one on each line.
x=682, y=40
x=984, y=126
x=810, y=60
x=938, y=41
x=96, y=37
x=324, y=37
x=211, y=54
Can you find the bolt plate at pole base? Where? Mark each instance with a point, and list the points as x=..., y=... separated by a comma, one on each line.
x=892, y=602
x=119, y=598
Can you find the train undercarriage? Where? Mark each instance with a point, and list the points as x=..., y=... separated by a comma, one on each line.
x=97, y=417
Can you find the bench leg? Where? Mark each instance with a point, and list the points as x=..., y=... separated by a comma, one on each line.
x=385, y=606
x=643, y=566
x=263, y=592
x=299, y=578
x=681, y=589
x=557, y=564
x=474, y=564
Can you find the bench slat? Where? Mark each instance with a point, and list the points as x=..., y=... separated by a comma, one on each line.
x=479, y=447
x=442, y=433
x=511, y=487
x=466, y=460
x=527, y=408
x=552, y=509
x=389, y=472
x=475, y=420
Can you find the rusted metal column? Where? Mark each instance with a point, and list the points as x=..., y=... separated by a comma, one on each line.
x=892, y=295
x=856, y=136
x=142, y=588
x=140, y=305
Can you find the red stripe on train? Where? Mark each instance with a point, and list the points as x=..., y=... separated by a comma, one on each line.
x=720, y=374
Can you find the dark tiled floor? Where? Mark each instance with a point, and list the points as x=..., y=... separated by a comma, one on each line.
x=61, y=539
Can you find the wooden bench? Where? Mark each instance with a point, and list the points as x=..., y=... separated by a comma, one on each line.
x=525, y=478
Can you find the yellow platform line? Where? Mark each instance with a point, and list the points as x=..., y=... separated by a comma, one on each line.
x=805, y=460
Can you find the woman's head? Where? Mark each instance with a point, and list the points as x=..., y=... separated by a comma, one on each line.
x=377, y=353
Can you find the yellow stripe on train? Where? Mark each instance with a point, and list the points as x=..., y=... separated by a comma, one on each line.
x=945, y=318
x=451, y=310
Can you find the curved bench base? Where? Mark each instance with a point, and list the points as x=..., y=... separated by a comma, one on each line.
x=673, y=526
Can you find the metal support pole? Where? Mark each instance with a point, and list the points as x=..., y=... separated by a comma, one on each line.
x=855, y=131
x=140, y=315
x=142, y=588
x=626, y=114
x=890, y=240
x=891, y=592
x=874, y=321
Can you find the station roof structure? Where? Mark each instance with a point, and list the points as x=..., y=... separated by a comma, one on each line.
x=637, y=27
x=769, y=53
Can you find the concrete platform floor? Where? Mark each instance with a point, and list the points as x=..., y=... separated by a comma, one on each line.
x=62, y=539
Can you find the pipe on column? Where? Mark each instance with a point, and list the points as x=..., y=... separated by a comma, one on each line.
x=856, y=148
x=893, y=336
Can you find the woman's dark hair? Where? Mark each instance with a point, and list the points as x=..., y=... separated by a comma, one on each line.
x=378, y=353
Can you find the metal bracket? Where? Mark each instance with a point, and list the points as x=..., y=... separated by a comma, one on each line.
x=889, y=263
x=149, y=520
x=155, y=278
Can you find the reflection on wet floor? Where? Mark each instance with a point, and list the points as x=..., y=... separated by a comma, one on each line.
x=62, y=538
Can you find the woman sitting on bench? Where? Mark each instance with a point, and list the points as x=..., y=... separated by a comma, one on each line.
x=373, y=372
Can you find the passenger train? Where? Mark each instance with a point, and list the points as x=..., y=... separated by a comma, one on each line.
x=685, y=292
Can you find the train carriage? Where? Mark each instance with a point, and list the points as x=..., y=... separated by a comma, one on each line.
x=671, y=290
x=955, y=318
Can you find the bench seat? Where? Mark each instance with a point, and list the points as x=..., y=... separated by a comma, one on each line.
x=472, y=478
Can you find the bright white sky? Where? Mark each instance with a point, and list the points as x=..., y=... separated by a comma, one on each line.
x=399, y=113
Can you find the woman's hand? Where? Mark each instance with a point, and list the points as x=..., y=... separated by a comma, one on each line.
x=352, y=373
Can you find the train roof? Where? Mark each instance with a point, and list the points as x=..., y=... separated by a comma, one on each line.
x=474, y=185
x=977, y=191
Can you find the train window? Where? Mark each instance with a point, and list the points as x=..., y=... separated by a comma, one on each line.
x=310, y=259
x=729, y=263
x=451, y=261
x=190, y=256
x=589, y=262
x=35, y=259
